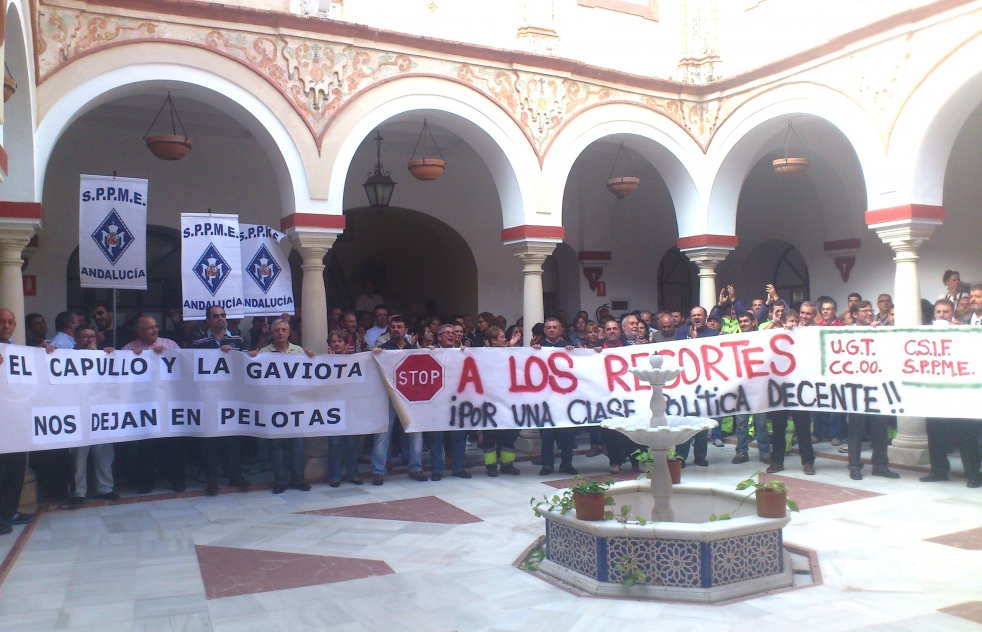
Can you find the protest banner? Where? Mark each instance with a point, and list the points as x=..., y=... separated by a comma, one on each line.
x=211, y=265
x=882, y=371
x=267, y=286
x=112, y=232
x=73, y=398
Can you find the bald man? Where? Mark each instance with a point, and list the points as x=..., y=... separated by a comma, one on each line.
x=12, y=465
x=166, y=454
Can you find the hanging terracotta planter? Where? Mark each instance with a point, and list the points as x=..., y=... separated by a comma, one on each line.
x=790, y=165
x=9, y=88
x=622, y=186
x=171, y=146
x=426, y=169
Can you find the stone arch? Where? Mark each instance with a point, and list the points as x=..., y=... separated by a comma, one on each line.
x=673, y=153
x=480, y=122
x=19, y=112
x=928, y=125
x=741, y=141
x=122, y=71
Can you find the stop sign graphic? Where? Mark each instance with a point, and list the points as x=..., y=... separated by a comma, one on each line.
x=419, y=378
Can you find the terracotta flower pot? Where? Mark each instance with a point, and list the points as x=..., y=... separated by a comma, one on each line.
x=623, y=186
x=589, y=506
x=790, y=166
x=168, y=146
x=9, y=88
x=426, y=169
x=771, y=503
x=675, y=469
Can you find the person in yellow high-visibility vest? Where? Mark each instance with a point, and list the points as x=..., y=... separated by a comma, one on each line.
x=493, y=441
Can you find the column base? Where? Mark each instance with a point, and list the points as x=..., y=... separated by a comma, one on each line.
x=315, y=451
x=907, y=456
x=528, y=442
x=29, y=492
x=316, y=468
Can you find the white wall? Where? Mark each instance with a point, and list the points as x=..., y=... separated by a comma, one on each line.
x=636, y=230
x=464, y=197
x=226, y=171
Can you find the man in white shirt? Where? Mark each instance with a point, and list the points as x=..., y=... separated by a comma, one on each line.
x=168, y=452
x=381, y=325
x=975, y=300
x=64, y=337
x=292, y=447
x=943, y=433
x=367, y=301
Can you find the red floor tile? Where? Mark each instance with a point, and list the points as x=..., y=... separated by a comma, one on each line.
x=970, y=540
x=812, y=494
x=970, y=611
x=423, y=509
x=228, y=572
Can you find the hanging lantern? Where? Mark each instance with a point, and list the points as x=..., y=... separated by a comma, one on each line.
x=171, y=146
x=424, y=168
x=789, y=165
x=622, y=186
x=379, y=186
x=9, y=85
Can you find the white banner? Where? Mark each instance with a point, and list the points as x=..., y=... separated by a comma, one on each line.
x=211, y=264
x=267, y=283
x=929, y=372
x=74, y=398
x=112, y=232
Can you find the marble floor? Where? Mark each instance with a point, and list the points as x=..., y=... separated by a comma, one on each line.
x=893, y=555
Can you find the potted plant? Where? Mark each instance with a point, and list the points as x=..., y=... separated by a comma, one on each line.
x=586, y=498
x=772, y=498
x=645, y=457
x=589, y=499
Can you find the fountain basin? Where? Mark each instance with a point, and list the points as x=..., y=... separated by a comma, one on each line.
x=691, y=560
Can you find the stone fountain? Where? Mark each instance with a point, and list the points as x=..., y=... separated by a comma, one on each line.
x=684, y=556
x=660, y=433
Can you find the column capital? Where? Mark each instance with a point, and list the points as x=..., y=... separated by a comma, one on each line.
x=532, y=253
x=905, y=236
x=707, y=257
x=312, y=239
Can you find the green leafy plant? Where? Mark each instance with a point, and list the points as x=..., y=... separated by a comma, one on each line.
x=628, y=564
x=534, y=558
x=646, y=459
x=772, y=485
x=564, y=502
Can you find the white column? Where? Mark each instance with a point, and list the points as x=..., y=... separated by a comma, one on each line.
x=14, y=236
x=706, y=259
x=905, y=237
x=532, y=254
x=313, y=245
x=15, y=233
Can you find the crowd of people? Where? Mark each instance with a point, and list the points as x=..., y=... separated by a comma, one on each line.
x=65, y=475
